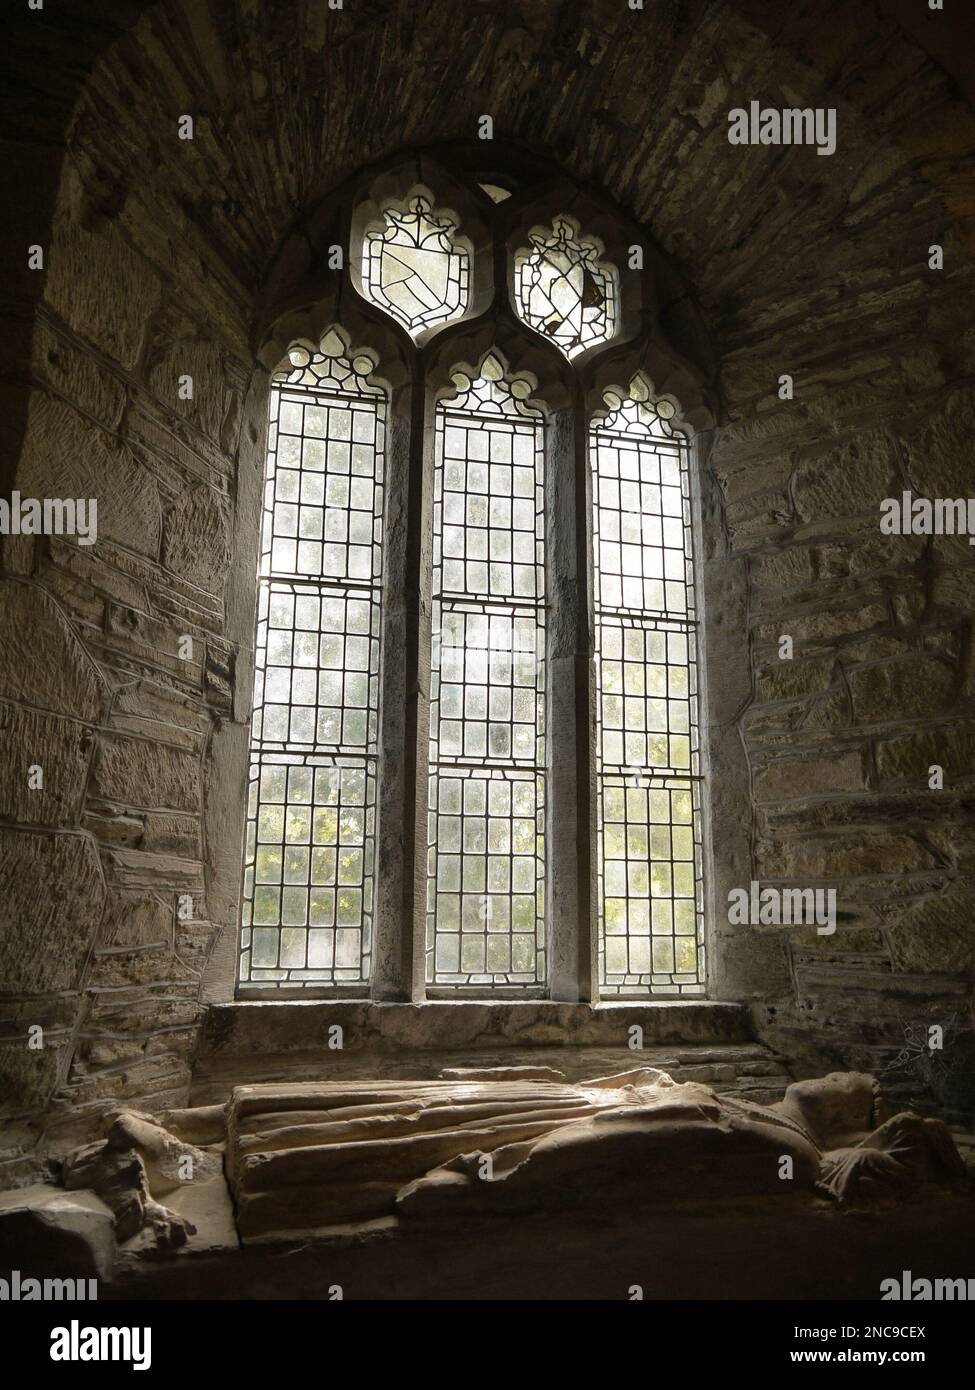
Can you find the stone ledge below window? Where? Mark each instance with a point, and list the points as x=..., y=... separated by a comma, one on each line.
x=300, y=1025
x=247, y=1043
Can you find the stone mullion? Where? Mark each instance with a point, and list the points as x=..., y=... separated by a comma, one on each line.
x=570, y=822
x=397, y=969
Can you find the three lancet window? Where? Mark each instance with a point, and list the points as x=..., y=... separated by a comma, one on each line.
x=493, y=825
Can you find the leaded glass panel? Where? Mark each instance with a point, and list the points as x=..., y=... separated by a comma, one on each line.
x=487, y=743
x=564, y=291
x=650, y=894
x=413, y=267
x=311, y=820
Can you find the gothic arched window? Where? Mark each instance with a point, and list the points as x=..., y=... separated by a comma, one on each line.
x=474, y=760
x=650, y=899
x=488, y=687
x=309, y=858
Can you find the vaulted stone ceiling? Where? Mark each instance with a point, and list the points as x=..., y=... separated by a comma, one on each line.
x=289, y=98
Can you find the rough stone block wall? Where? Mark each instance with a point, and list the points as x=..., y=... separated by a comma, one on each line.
x=156, y=251
x=839, y=739
x=116, y=672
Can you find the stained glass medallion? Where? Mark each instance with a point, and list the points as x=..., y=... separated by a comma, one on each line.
x=413, y=267
x=564, y=291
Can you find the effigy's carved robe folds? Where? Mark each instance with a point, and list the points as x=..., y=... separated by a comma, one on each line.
x=335, y=1156
x=306, y=1156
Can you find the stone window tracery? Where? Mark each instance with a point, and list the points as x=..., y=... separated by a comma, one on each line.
x=511, y=762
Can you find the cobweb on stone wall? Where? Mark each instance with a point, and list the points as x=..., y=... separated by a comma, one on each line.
x=563, y=291
x=413, y=268
x=929, y=1071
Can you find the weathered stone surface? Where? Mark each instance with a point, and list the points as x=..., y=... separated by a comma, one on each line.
x=174, y=834
x=146, y=774
x=43, y=767
x=785, y=569
x=215, y=406
x=936, y=934
x=906, y=689
x=940, y=460
x=911, y=756
x=29, y=1077
x=839, y=856
x=67, y=1235
x=149, y=706
x=875, y=553
x=42, y=662
x=788, y=778
x=121, y=968
x=50, y=910
x=134, y=772
x=84, y=261
x=854, y=479
x=196, y=540
x=438, y=1025
x=77, y=375
x=855, y=941
x=137, y=919
x=790, y=680
x=833, y=622
x=67, y=457
x=111, y=828
x=132, y=868
x=955, y=588
x=134, y=636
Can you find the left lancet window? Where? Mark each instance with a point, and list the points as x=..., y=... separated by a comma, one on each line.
x=310, y=836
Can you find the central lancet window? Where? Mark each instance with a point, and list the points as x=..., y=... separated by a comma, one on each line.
x=487, y=721
x=432, y=732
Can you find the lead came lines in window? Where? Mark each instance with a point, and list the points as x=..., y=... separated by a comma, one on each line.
x=650, y=894
x=563, y=290
x=487, y=780
x=412, y=268
x=310, y=846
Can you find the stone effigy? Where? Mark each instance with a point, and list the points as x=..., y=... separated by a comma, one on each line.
x=313, y=1156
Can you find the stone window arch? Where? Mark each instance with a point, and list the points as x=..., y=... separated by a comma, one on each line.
x=482, y=312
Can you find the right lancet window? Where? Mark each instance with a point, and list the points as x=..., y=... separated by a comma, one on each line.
x=650, y=892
